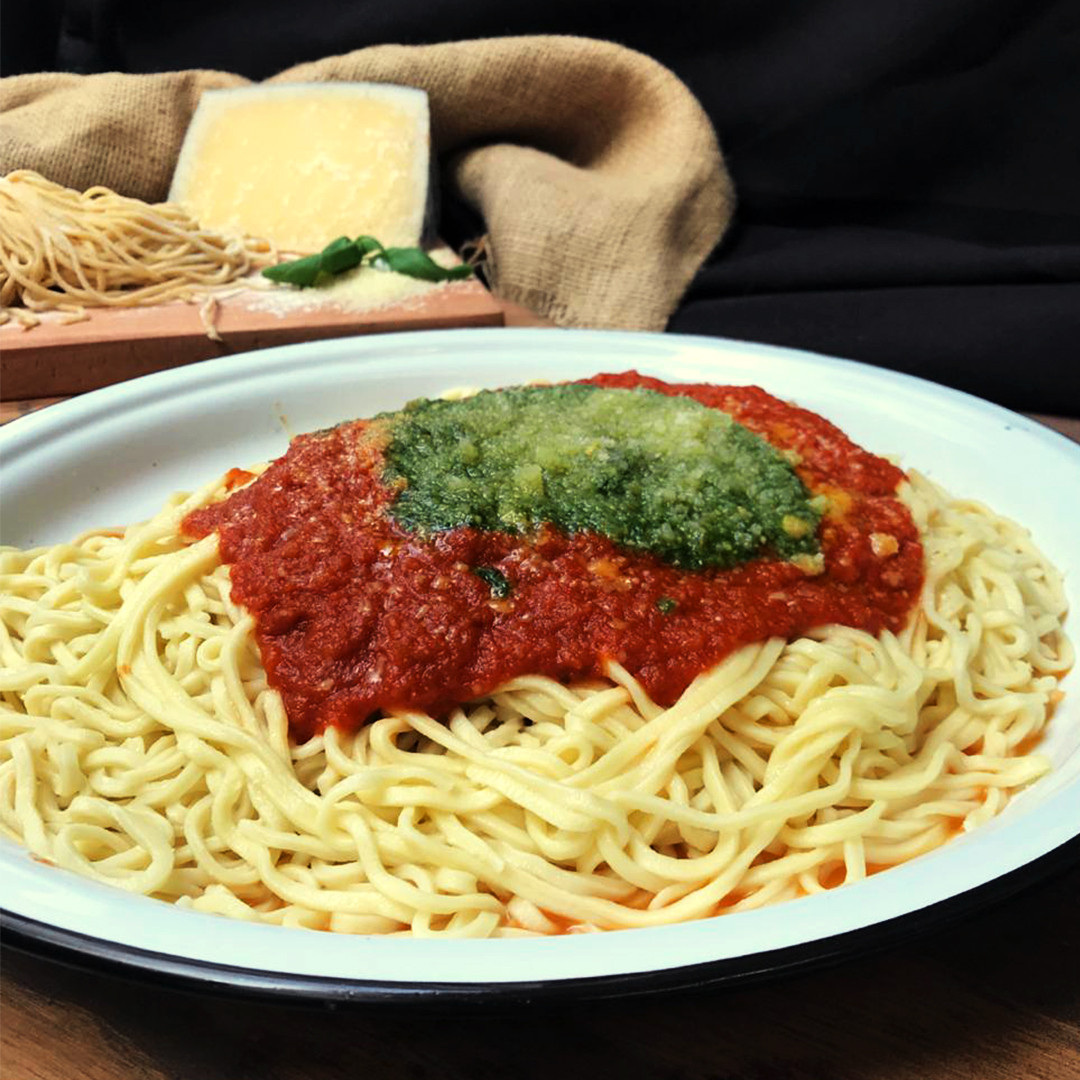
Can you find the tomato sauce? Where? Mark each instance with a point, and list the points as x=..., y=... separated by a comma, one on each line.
x=354, y=614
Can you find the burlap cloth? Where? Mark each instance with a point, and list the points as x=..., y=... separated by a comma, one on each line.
x=596, y=171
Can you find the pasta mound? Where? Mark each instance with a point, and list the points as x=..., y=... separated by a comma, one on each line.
x=141, y=745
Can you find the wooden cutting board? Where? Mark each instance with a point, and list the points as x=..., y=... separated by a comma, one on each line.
x=114, y=344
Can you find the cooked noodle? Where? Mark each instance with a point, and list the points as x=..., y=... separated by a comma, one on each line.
x=141, y=746
x=64, y=250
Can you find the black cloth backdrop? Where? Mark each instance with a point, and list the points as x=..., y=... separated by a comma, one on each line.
x=908, y=173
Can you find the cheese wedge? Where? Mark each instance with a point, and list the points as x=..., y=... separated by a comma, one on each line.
x=302, y=164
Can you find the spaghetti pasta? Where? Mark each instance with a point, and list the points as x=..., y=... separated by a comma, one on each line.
x=142, y=746
x=64, y=250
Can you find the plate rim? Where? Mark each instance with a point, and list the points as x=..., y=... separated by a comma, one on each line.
x=84, y=952
x=80, y=407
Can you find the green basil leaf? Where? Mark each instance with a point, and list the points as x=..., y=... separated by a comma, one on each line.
x=344, y=254
x=666, y=605
x=415, y=263
x=368, y=244
x=341, y=255
x=302, y=272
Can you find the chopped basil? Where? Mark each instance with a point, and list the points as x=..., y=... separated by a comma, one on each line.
x=500, y=587
x=666, y=605
x=344, y=254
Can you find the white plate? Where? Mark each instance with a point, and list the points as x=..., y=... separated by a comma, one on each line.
x=113, y=456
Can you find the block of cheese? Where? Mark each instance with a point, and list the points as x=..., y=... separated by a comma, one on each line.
x=302, y=164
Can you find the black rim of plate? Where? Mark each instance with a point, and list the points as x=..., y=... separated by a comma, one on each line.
x=74, y=949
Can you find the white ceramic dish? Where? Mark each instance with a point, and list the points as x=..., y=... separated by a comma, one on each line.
x=112, y=456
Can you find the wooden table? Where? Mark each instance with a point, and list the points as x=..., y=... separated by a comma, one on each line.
x=994, y=996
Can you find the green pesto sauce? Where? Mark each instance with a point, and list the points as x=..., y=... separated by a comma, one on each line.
x=653, y=473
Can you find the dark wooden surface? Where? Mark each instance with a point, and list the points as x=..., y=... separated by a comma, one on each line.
x=993, y=996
